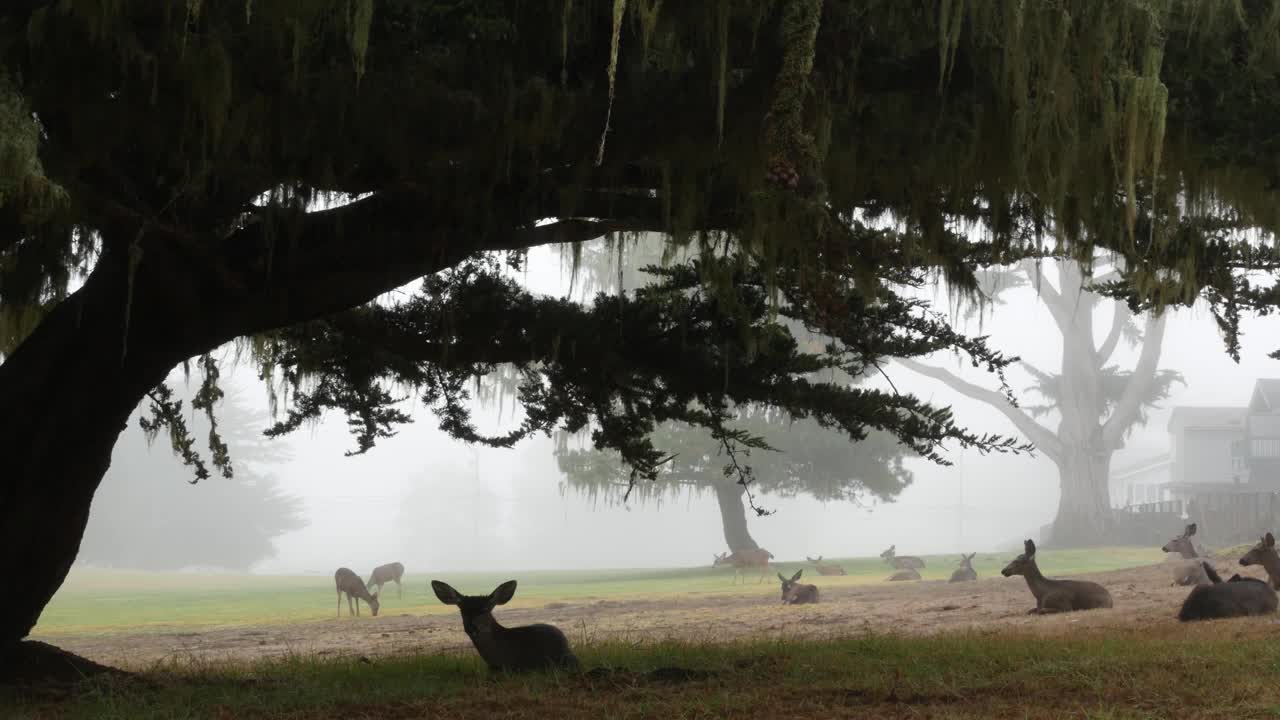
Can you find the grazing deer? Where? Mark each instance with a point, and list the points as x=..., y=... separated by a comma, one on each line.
x=1189, y=570
x=516, y=649
x=825, y=569
x=1238, y=597
x=350, y=583
x=908, y=574
x=742, y=559
x=1055, y=595
x=1264, y=554
x=901, y=562
x=795, y=592
x=965, y=572
x=383, y=574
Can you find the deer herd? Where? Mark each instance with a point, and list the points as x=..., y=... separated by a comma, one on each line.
x=541, y=646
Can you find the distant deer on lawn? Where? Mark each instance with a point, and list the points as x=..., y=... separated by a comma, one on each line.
x=825, y=569
x=350, y=583
x=516, y=649
x=1264, y=554
x=743, y=559
x=965, y=573
x=1189, y=571
x=1238, y=597
x=1054, y=596
x=795, y=592
x=383, y=574
x=901, y=562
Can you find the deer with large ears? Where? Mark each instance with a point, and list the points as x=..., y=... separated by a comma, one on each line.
x=516, y=649
x=1264, y=554
x=965, y=573
x=1189, y=571
x=1054, y=596
x=795, y=592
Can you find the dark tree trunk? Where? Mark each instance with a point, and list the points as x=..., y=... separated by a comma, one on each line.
x=66, y=394
x=733, y=516
x=1084, y=511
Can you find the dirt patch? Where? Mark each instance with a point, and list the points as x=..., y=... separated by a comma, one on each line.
x=1143, y=597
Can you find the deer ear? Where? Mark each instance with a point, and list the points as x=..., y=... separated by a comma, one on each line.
x=1270, y=540
x=796, y=577
x=1191, y=530
x=1029, y=547
x=784, y=580
x=446, y=594
x=503, y=593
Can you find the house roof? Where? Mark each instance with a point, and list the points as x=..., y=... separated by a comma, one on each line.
x=1212, y=417
x=1266, y=395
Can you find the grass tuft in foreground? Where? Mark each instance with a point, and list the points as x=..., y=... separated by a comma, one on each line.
x=957, y=676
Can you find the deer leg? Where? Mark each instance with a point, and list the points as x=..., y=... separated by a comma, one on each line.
x=339, y=604
x=399, y=590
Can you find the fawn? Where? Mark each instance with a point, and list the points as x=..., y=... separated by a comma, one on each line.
x=965, y=572
x=901, y=562
x=1189, y=571
x=795, y=592
x=1240, y=596
x=350, y=583
x=825, y=569
x=516, y=649
x=1055, y=595
x=383, y=574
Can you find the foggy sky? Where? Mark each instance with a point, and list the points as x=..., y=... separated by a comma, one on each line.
x=436, y=504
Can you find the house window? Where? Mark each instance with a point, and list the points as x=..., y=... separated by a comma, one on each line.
x=1266, y=447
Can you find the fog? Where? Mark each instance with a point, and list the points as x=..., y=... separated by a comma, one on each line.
x=436, y=504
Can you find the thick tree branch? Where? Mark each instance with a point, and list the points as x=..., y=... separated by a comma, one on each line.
x=1119, y=319
x=1043, y=439
x=1048, y=294
x=1138, y=388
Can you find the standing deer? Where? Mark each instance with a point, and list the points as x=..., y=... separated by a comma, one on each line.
x=1188, y=571
x=965, y=573
x=383, y=574
x=516, y=649
x=742, y=559
x=350, y=583
x=1264, y=554
x=795, y=592
x=1238, y=597
x=825, y=569
x=901, y=562
x=1055, y=595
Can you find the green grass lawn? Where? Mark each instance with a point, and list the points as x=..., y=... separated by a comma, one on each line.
x=1133, y=675
x=101, y=601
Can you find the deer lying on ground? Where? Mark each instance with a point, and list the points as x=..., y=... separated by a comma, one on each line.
x=350, y=583
x=901, y=562
x=743, y=559
x=908, y=574
x=383, y=574
x=1238, y=597
x=1055, y=595
x=1189, y=570
x=965, y=572
x=825, y=569
x=1264, y=554
x=516, y=649
x=795, y=592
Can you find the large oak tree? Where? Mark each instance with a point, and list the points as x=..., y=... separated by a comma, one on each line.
x=170, y=156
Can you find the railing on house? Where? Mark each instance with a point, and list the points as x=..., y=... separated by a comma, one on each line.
x=1222, y=518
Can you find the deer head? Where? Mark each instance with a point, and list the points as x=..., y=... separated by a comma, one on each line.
x=887, y=555
x=1024, y=562
x=477, y=610
x=1182, y=543
x=966, y=561
x=1262, y=553
x=790, y=587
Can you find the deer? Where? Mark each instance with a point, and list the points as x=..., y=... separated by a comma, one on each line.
x=1238, y=597
x=1188, y=571
x=1264, y=554
x=383, y=574
x=901, y=562
x=908, y=574
x=965, y=573
x=1053, y=596
x=742, y=559
x=825, y=569
x=350, y=583
x=795, y=592
x=503, y=649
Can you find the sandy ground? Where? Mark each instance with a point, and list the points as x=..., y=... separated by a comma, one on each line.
x=1143, y=598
